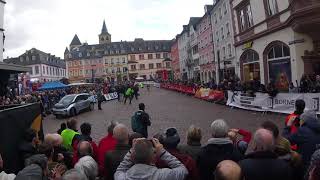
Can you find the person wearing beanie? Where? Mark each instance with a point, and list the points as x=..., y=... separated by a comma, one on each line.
x=307, y=137
x=170, y=140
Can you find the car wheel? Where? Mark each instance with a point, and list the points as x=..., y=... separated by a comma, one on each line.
x=73, y=112
x=91, y=107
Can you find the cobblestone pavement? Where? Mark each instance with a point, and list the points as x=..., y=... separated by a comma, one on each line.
x=168, y=109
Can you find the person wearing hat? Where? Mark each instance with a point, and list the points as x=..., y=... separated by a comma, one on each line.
x=170, y=140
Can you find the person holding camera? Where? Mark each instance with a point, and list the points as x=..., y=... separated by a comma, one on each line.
x=138, y=163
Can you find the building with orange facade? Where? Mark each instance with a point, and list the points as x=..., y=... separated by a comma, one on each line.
x=117, y=61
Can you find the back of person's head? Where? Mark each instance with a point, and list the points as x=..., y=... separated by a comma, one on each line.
x=30, y=135
x=111, y=127
x=219, y=129
x=269, y=125
x=121, y=134
x=263, y=140
x=141, y=106
x=142, y=152
x=85, y=129
x=170, y=138
x=74, y=174
x=300, y=105
x=85, y=149
x=72, y=124
x=38, y=159
x=46, y=149
x=227, y=170
x=194, y=134
x=133, y=136
x=308, y=116
x=88, y=166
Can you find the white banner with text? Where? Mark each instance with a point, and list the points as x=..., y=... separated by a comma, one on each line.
x=282, y=103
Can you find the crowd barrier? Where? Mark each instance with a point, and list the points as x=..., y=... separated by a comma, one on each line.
x=202, y=93
x=282, y=103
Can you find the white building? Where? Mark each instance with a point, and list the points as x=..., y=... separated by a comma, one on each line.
x=184, y=46
x=194, y=49
x=224, y=51
x=2, y=3
x=277, y=40
x=44, y=66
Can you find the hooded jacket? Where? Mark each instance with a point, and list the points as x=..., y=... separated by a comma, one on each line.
x=129, y=171
x=307, y=138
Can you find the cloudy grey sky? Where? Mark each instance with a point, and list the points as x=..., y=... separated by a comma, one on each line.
x=50, y=25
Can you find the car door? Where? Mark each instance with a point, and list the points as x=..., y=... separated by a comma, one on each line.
x=77, y=103
x=82, y=102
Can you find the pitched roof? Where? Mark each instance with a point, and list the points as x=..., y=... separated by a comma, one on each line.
x=66, y=51
x=120, y=48
x=75, y=41
x=104, y=28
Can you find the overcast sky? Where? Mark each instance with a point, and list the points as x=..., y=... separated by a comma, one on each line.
x=49, y=25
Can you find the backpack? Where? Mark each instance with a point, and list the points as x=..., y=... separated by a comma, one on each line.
x=135, y=122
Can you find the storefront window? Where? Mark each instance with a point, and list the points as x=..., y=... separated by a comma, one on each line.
x=250, y=65
x=279, y=66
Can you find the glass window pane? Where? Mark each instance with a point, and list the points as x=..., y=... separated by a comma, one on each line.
x=286, y=51
x=271, y=54
x=278, y=51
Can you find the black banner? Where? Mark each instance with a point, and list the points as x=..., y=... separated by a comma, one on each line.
x=13, y=123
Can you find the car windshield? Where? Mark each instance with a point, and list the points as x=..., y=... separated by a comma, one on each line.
x=67, y=99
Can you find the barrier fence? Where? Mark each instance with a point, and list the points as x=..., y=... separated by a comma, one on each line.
x=263, y=102
x=206, y=94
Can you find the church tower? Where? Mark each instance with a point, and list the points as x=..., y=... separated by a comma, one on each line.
x=104, y=37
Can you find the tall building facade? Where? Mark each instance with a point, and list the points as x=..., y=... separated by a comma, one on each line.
x=44, y=66
x=175, y=59
x=277, y=40
x=223, y=33
x=149, y=59
x=2, y=37
x=183, y=46
x=117, y=61
x=193, y=52
x=204, y=31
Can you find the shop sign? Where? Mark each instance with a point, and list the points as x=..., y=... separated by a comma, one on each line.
x=248, y=45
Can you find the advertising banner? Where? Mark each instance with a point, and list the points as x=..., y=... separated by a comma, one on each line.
x=280, y=73
x=282, y=103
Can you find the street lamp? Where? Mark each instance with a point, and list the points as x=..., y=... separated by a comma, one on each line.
x=92, y=69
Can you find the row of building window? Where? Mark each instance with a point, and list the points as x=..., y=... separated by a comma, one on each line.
x=150, y=56
x=245, y=14
x=151, y=66
x=220, y=34
x=74, y=73
x=220, y=14
x=46, y=70
x=226, y=53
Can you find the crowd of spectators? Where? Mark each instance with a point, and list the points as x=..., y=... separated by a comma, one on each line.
x=308, y=84
x=230, y=154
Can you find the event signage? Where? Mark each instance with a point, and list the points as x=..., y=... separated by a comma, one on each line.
x=111, y=96
x=282, y=103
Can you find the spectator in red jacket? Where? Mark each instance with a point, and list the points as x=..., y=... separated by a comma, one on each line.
x=108, y=143
x=170, y=141
x=293, y=120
